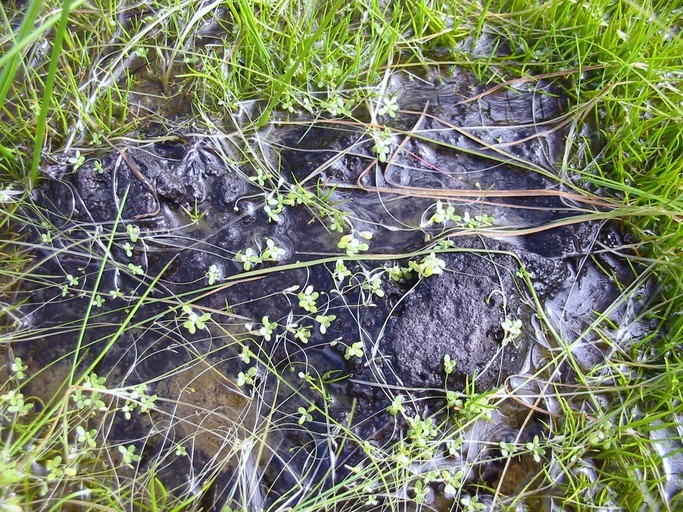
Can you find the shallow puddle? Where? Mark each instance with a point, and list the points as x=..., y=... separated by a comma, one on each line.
x=215, y=276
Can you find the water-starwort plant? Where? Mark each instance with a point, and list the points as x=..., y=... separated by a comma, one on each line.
x=194, y=321
x=307, y=299
x=353, y=244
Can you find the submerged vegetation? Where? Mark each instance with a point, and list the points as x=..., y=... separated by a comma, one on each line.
x=80, y=80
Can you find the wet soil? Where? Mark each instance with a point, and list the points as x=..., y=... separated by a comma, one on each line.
x=197, y=203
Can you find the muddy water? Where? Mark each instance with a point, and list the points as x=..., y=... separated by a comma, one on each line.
x=178, y=210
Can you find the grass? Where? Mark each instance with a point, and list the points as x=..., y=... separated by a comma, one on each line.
x=78, y=76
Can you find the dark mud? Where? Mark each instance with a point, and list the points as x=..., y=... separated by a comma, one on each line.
x=193, y=204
